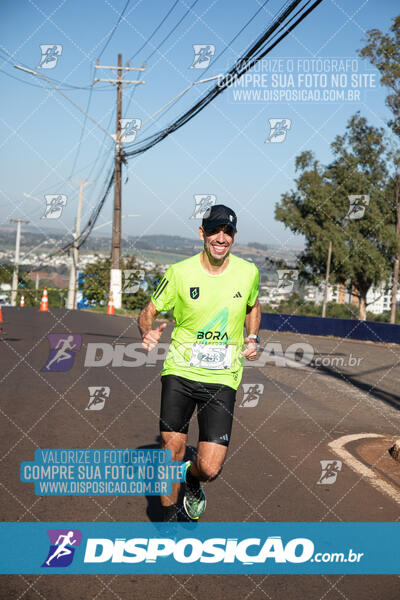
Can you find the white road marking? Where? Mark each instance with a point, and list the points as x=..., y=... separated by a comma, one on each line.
x=367, y=473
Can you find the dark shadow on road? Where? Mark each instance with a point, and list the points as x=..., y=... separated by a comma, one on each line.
x=391, y=399
x=114, y=336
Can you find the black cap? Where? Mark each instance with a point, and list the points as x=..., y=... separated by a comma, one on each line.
x=219, y=215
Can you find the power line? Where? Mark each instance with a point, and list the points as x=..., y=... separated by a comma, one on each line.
x=215, y=59
x=148, y=40
x=155, y=31
x=114, y=29
x=82, y=131
x=172, y=30
x=67, y=87
x=242, y=65
x=255, y=52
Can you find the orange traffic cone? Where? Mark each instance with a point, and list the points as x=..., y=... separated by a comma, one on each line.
x=44, y=305
x=22, y=303
x=110, y=307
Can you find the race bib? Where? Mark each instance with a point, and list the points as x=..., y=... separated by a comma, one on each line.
x=208, y=356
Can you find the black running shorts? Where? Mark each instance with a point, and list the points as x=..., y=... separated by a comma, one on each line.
x=215, y=404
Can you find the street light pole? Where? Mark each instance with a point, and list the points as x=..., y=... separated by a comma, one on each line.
x=14, y=285
x=72, y=287
x=328, y=269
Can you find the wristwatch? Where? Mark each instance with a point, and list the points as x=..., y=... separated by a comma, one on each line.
x=253, y=336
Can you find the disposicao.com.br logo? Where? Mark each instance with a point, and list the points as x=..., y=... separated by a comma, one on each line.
x=208, y=548
x=247, y=551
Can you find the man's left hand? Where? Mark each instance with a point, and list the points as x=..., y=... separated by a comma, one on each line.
x=251, y=349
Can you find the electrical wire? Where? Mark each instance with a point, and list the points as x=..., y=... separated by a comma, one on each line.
x=114, y=29
x=257, y=51
x=280, y=27
x=159, y=46
x=214, y=61
x=172, y=30
x=155, y=31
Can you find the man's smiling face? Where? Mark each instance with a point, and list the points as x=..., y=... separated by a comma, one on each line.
x=218, y=242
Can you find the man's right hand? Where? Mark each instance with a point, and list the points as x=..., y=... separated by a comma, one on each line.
x=152, y=337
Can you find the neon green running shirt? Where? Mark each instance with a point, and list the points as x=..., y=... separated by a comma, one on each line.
x=209, y=311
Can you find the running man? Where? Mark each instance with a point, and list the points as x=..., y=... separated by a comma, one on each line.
x=63, y=345
x=62, y=549
x=213, y=294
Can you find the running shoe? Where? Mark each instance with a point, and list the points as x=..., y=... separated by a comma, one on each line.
x=194, y=500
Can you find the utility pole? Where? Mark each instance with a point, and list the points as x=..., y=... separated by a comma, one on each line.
x=397, y=259
x=36, y=286
x=116, y=274
x=73, y=273
x=328, y=269
x=14, y=285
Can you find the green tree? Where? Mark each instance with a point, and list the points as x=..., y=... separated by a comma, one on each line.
x=362, y=249
x=383, y=51
x=95, y=282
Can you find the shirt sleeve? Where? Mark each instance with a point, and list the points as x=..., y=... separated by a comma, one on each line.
x=164, y=296
x=254, y=288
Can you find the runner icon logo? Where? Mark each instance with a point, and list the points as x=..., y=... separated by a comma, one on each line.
x=278, y=129
x=62, y=348
x=133, y=280
x=54, y=206
x=251, y=394
x=357, y=206
x=203, y=203
x=203, y=54
x=50, y=55
x=286, y=280
x=63, y=543
x=129, y=129
x=98, y=396
x=330, y=471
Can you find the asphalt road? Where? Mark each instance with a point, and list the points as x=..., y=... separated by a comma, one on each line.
x=281, y=433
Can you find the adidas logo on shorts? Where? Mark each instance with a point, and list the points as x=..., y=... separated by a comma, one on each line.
x=224, y=437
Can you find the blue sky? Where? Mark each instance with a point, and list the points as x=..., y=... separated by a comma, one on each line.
x=222, y=151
